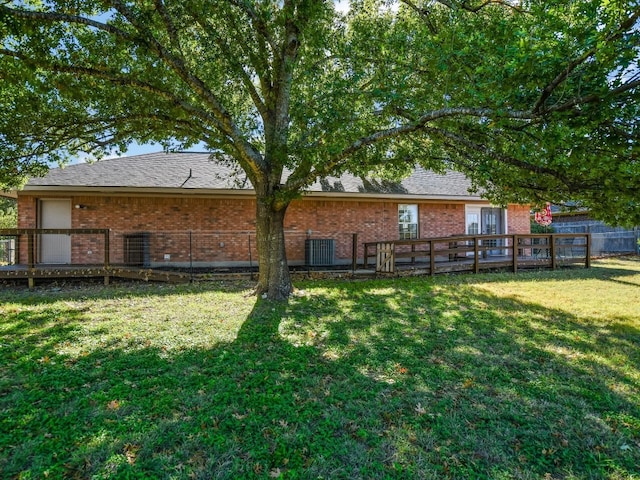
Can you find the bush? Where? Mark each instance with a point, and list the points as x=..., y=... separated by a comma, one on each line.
x=537, y=228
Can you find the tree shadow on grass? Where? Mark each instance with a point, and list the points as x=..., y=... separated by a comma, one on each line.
x=522, y=390
x=366, y=380
x=51, y=290
x=246, y=408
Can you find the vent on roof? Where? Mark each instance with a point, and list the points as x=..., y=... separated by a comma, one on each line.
x=320, y=251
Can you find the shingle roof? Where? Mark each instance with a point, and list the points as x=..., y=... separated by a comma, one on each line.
x=153, y=170
x=190, y=172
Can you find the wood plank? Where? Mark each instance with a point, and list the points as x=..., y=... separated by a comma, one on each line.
x=150, y=275
x=385, y=260
x=88, y=272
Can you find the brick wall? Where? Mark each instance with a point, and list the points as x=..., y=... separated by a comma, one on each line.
x=223, y=230
x=26, y=211
x=519, y=218
x=27, y=218
x=87, y=249
x=441, y=220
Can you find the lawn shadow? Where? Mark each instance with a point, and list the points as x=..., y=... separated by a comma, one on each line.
x=251, y=407
x=53, y=291
x=544, y=389
x=391, y=379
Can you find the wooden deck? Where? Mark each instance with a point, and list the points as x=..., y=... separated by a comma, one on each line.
x=469, y=265
x=16, y=272
x=456, y=254
x=469, y=253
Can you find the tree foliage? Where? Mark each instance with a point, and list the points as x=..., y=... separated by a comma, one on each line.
x=8, y=213
x=534, y=100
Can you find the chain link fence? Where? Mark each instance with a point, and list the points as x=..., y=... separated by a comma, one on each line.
x=605, y=240
x=206, y=249
x=7, y=250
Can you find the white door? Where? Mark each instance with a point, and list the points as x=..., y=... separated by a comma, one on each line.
x=485, y=221
x=493, y=224
x=55, y=248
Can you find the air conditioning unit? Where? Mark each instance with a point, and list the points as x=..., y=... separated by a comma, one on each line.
x=137, y=249
x=320, y=251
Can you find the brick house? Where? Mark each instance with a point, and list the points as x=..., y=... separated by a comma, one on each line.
x=185, y=208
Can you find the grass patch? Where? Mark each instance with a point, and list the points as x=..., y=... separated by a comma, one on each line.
x=535, y=375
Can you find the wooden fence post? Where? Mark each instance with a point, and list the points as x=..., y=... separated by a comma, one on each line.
x=106, y=257
x=514, y=245
x=476, y=255
x=432, y=258
x=16, y=252
x=366, y=256
x=354, y=252
x=30, y=258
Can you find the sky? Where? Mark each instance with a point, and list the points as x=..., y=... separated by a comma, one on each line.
x=139, y=149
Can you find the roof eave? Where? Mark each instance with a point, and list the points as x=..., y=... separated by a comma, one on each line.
x=244, y=193
x=392, y=196
x=93, y=190
x=9, y=194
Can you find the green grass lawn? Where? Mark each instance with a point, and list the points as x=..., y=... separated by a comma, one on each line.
x=535, y=375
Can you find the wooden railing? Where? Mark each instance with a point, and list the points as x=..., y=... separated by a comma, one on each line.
x=91, y=253
x=28, y=243
x=32, y=235
x=479, y=252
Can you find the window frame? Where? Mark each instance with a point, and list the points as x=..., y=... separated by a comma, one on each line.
x=408, y=230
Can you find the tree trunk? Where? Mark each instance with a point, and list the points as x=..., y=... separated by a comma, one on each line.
x=274, y=280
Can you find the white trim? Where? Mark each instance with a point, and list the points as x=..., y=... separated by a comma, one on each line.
x=479, y=206
x=412, y=208
x=468, y=209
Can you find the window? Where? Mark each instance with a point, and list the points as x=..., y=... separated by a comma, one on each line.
x=408, y=221
x=473, y=223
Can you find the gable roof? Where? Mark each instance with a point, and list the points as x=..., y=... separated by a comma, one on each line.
x=197, y=173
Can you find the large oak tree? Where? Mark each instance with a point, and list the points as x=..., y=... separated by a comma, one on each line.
x=534, y=100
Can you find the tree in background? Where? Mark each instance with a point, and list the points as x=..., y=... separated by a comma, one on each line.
x=8, y=213
x=533, y=100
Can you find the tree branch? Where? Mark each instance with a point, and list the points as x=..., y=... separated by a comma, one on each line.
x=296, y=182
x=258, y=24
x=258, y=62
x=484, y=150
x=248, y=156
x=593, y=98
x=424, y=13
x=562, y=76
x=244, y=76
x=284, y=64
x=114, y=78
x=480, y=6
x=54, y=17
x=476, y=8
x=170, y=27
x=96, y=125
